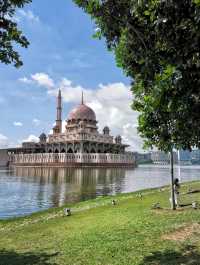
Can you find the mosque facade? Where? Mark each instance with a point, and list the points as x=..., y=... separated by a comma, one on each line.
x=80, y=143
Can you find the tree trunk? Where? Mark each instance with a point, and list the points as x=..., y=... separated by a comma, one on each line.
x=173, y=205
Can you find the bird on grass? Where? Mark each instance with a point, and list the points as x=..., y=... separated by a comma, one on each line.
x=67, y=211
x=114, y=202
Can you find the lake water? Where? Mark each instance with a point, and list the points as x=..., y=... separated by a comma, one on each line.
x=29, y=190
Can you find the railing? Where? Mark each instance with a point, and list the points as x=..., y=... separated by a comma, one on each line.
x=67, y=158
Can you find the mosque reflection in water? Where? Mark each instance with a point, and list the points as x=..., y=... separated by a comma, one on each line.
x=67, y=185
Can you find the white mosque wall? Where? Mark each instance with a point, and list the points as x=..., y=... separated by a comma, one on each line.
x=78, y=158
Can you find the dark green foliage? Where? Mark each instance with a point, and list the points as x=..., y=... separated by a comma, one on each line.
x=157, y=43
x=9, y=32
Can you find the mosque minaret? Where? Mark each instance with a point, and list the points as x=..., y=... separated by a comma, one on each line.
x=58, y=127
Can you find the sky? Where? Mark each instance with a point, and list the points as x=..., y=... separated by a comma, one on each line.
x=62, y=54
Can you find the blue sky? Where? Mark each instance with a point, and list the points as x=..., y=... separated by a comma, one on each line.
x=63, y=52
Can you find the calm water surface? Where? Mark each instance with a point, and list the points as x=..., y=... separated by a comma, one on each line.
x=29, y=190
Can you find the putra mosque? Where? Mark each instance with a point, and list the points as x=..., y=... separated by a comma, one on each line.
x=80, y=144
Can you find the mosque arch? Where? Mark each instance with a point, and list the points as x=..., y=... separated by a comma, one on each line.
x=56, y=151
x=93, y=150
x=63, y=150
x=77, y=150
x=70, y=150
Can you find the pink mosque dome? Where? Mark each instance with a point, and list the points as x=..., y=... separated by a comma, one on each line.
x=82, y=112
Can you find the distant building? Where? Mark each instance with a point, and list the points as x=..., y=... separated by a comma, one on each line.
x=4, y=159
x=195, y=156
x=143, y=158
x=160, y=157
x=184, y=157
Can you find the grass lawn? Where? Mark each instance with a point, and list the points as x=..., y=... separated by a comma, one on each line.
x=99, y=233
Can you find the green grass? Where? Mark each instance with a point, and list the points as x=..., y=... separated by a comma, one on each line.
x=99, y=233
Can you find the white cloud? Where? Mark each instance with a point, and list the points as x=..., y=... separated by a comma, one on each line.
x=17, y=123
x=43, y=79
x=71, y=93
x=28, y=15
x=31, y=138
x=130, y=136
x=4, y=142
x=40, y=79
x=36, y=122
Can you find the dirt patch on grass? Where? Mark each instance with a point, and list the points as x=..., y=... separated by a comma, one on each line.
x=182, y=233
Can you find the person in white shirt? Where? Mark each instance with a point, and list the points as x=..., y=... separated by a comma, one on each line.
x=176, y=191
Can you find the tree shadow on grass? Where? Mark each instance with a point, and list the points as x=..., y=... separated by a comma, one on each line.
x=188, y=255
x=29, y=258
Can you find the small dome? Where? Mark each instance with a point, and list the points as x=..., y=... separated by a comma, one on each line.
x=43, y=135
x=106, y=128
x=43, y=138
x=82, y=112
x=118, y=139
